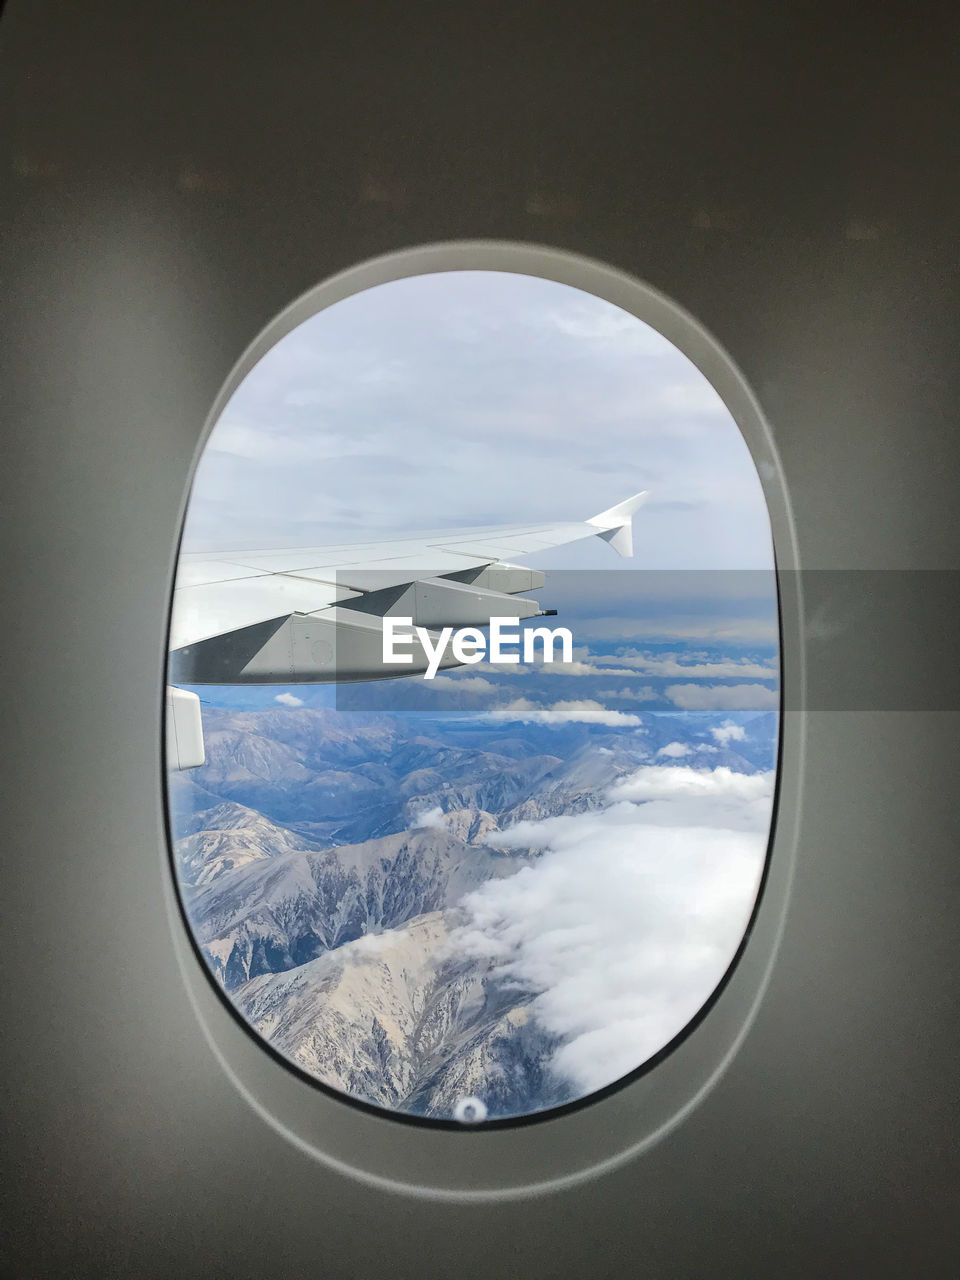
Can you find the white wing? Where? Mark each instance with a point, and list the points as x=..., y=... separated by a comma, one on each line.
x=455, y=577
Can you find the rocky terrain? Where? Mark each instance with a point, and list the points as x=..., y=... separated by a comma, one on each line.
x=321, y=856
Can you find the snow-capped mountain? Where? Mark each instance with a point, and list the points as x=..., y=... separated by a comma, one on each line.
x=392, y=1020
x=270, y=915
x=323, y=857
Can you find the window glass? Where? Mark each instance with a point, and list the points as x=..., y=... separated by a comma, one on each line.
x=448, y=852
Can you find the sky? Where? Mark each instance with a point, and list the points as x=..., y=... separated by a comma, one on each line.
x=459, y=399
x=468, y=398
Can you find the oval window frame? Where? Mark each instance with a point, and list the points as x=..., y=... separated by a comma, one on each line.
x=546, y=1150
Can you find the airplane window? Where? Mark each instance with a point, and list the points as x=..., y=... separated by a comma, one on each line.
x=473, y=697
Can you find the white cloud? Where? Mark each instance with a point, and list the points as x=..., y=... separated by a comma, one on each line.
x=372, y=944
x=653, y=782
x=684, y=627
x=690, y=398
x=644, y=694
x=669, y=664
x=728, y=732
x=584, y=711
x=575, y=668
x=723, y=697
x=429, y=818
x=594, y=320
x=634, y=662
x=501, y=669
x=461, y=366
x=674, y=750
x=578, y=667
x=589, y=668
x=464, y=684
x=265, y=443
x=289, y=699
x=631, y=915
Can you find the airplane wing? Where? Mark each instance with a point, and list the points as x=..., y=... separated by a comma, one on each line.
x=315, y=614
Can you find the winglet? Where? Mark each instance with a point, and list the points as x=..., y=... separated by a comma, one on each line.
x=614, y=525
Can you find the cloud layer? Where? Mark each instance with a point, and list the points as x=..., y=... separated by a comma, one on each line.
x=674, y=664
x=723, y=697
x=729, y=732
x=628, y=921
x=379, y=413
x=582, y=711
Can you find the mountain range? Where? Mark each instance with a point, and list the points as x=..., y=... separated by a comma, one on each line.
x=321, y=856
